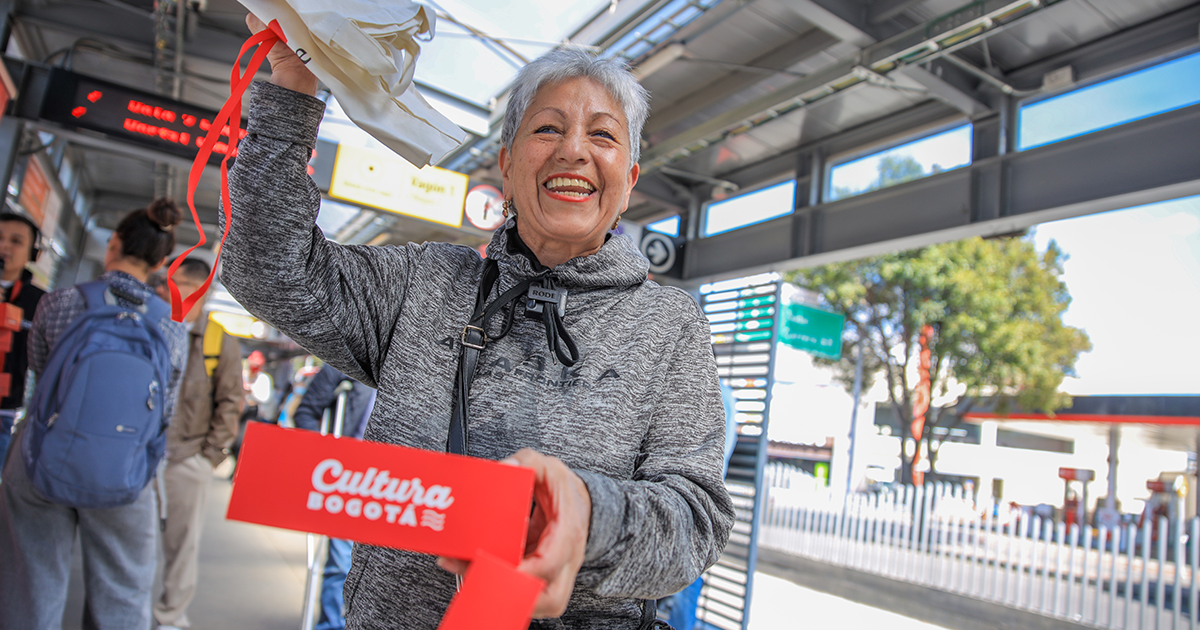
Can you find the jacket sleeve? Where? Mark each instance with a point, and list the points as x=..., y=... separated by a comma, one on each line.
x=228, y=394
x=55, y=312
x=654, y=534
x=339, y=302
x=317, y=398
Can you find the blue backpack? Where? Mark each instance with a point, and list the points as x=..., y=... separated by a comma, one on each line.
x=97, y=429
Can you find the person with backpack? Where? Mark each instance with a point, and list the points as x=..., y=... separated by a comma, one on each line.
x=108, y=362
x=201, y=432
x=322, y=395
x=18, y=247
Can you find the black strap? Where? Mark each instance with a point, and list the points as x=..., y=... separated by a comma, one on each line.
x=649, y=614
x=475, y=337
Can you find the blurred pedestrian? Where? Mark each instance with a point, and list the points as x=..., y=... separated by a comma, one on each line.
x=203, y=429
x=322, y=396
x=118, y=543
x=18, y=247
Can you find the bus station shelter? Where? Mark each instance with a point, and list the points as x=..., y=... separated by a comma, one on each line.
x=757, y=106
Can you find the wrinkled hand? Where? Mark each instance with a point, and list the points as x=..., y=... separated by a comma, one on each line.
x=558, y=531
x=286, y=68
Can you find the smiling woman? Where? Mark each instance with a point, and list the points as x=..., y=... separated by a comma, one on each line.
x=572, y=177
x=627, y=446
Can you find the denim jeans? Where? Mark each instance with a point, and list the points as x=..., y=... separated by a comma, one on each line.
x=6, y=425
x=336, y=567
x=119, y=552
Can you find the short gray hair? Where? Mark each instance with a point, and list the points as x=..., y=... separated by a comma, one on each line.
x=571, y=62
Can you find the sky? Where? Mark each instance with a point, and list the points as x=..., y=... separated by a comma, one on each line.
x=464, y=66
x=1134, y=279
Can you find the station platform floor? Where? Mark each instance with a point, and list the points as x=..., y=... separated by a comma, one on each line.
x=252, y=578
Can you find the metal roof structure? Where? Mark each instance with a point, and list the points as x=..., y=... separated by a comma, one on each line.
x=744, y=93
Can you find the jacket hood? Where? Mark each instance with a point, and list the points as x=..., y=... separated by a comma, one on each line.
x=617, y=263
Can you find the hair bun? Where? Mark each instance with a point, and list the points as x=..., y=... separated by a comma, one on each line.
x=165, y=213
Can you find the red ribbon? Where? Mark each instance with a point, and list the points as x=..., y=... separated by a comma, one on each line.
x=229, y=117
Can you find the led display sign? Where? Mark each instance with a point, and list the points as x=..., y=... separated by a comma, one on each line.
x=145, y=119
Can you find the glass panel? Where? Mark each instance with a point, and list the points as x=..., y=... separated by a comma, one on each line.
x=1164, y=87
x=669, y=226
x=933, y=154
x=750, y=208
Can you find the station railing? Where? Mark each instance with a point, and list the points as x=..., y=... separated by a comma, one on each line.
x=1132, y=576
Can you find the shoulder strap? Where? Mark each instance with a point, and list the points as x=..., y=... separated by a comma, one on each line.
x=153, y=309
x=473, y=339
x=156, y=309
x=93, y=292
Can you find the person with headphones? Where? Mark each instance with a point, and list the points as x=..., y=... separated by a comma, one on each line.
x=18, y=247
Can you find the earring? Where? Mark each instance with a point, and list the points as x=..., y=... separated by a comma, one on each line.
x=508, y=208
x=617, y=222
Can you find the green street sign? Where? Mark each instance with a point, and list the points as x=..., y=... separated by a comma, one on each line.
x=813, y=330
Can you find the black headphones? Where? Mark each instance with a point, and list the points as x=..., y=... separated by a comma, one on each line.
x=5, y=217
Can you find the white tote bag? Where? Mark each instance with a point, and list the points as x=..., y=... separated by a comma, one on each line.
x=366, y=53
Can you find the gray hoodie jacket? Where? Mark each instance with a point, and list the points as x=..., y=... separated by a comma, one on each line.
x=638, y=418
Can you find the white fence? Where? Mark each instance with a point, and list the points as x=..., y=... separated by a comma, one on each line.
x=938, y=537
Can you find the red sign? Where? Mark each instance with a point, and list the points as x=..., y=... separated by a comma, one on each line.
x=1076, y=474
x=435, y=503
x=35, y=191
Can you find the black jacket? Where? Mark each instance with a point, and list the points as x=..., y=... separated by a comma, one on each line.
x=17, y=360
x=320, y=396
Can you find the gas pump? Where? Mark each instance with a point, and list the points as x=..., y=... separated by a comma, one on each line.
x=1166, y=501
x=1075, y=503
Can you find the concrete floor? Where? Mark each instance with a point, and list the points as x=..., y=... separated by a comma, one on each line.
x=252, y=578
x=778, y=604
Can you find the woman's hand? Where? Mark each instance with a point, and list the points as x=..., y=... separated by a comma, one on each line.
x=558, y=531
x=286, y=68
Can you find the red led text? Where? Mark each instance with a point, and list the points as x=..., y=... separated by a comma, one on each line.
x=165, y=115
x=170, y=135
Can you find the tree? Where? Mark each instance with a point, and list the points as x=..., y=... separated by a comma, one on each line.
x=995, y=307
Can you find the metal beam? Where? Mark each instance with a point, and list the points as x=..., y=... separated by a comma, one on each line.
x=969, y=25
x=944, y=91
x=1139, y=44
x=209, y=40
x=837, y=19
x=1141, y=162
x=807, y=45
x=883, y=10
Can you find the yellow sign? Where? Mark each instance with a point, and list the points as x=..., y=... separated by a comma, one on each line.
x=382, y=180
x=239, y=325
